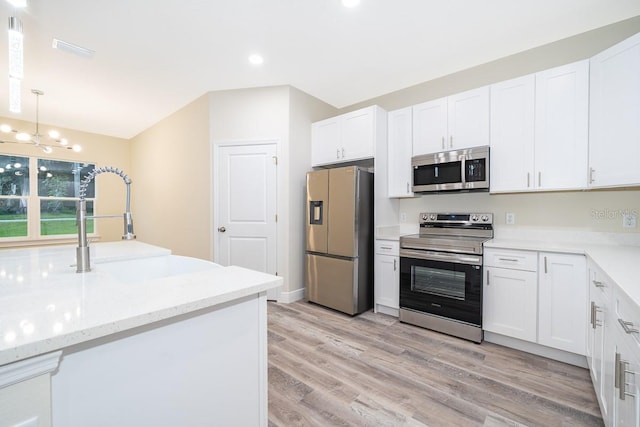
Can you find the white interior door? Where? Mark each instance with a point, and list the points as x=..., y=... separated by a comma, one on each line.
x=246, y=207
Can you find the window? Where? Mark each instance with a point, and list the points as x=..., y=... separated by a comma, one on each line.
x=14, y=195
x=38, y=197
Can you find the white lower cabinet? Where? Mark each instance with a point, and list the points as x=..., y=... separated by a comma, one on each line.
x=387, y=277
x=600, y=354
x=562, y=297
x=510, y=302
x=536, y=297
x=627, y=392
x=613, y=350
x=626, y=335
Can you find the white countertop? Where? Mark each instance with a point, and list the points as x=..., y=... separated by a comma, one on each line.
x=46, y=306
x=617, y=254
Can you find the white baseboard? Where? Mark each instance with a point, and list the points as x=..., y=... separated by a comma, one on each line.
x=540, y=350
x=292, y=296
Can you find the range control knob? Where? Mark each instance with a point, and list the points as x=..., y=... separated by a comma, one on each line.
x=474, y=218
x=485, y=218
x=424, y=217
x=432, y=217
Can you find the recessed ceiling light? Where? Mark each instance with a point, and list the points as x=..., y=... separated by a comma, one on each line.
x=350, y=3
x=256, y=59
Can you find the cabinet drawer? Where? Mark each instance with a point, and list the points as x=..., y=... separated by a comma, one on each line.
x=513, y=259
x=627, y=312
x=600, y=285
x=388, y=247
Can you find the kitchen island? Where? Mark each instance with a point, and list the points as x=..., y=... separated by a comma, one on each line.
x=145, y=338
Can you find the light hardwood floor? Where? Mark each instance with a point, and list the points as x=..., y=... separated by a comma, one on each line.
x=330, y=369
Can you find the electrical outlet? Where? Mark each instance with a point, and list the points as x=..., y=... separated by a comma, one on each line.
x=629, y=220
x=403, y=217
x=510, y=218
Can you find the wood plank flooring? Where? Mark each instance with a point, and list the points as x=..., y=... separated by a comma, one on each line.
x=330, y=369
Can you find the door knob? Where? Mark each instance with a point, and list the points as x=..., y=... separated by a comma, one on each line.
x=222, y=229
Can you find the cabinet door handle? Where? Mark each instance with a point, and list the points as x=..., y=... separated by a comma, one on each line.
x=488, y=278
x=443, y=142
x=545, y=265
x=395, y=265
x=628, y=327
x=343, y=152
x=598, y=284
x=539, y=179
x=591, y=171
x=338, y=153
x=622, y=369
x=616, y=369
x=594, y=315
x=451, y=141
x=407, y=188
x=528, y=179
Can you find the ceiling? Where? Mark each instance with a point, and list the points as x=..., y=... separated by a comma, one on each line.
x=152, y=57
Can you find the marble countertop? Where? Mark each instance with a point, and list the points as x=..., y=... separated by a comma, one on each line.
x=46, y=306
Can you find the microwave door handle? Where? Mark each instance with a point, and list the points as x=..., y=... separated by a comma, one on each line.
x=463, y=160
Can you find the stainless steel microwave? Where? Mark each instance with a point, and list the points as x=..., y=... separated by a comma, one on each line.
x=458, y=170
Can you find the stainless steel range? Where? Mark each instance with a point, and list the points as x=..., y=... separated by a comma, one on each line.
x=441, y=273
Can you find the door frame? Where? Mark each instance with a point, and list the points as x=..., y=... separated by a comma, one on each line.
x=215, y=157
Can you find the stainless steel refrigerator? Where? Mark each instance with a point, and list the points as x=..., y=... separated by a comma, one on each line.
x=339, y=252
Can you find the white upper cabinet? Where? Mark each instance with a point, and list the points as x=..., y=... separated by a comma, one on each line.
x=468, y=122
x=539, y=130
x=512, y=134
x=429, y=127
x=399, y=152
x=562, y=127
x=614, y=146
x=345, y=138
x=451, y=123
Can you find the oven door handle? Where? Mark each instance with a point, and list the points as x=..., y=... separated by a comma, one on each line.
x=441, y=256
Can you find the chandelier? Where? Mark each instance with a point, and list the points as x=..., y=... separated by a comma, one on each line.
x=36, y=139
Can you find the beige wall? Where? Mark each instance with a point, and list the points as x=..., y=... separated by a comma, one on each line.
x=551, y=55
x=258, y=114
x=593, y=210
x=99, y=149
x=304, y=110
x=171, y=182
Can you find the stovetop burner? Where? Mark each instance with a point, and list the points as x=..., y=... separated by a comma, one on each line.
x=449, y=232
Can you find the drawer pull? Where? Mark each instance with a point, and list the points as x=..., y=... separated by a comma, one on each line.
x=508, y=259
x=628, y=327
x=386, y=247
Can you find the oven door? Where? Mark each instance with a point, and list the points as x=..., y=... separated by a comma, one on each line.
x=442, y=284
